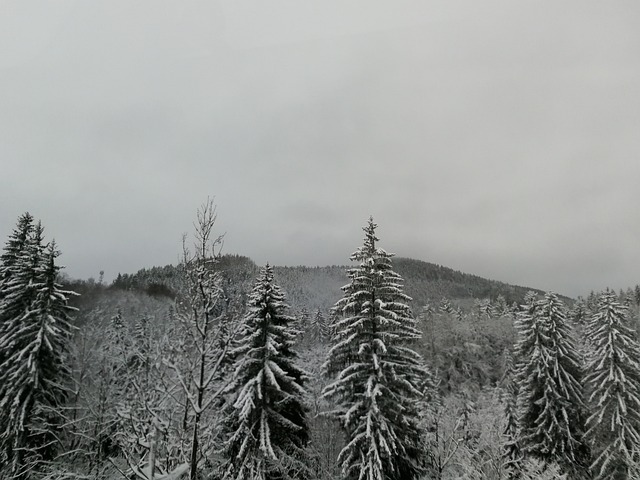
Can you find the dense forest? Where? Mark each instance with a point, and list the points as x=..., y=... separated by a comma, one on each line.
x=318, y=287
x=387, y=368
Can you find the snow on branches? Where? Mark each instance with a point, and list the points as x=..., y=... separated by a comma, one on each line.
x=35, y=344
x=613, y=380
x=550, y=403
x=267, y=414
x=378, y=376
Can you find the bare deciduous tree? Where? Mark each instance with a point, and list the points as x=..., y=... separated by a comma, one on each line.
x=209, y=330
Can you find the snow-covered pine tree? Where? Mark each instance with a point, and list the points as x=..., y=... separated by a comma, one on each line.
x=613, y=380
x=334, y=317
x=445, y=306
x=17, y=291
x=54, y=338
x=267, y=416
x=377, y=388
x=500, y=307
x=15, y=246
x=116, y=334
x=511, y=449
x=318, y=329
x=534, y=469
x=142, y=346
x=15, y=273
x=11, y=265
x=35, y=338
x=592, y=302
x=303, y=319
x=508, y=397
x=301, y=325
x=550, y=402
x=483, y=307
x=579, y=313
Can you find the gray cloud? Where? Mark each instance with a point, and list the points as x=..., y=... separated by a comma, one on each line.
x=499, y=138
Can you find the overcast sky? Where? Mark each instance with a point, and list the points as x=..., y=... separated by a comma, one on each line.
x=500, y=138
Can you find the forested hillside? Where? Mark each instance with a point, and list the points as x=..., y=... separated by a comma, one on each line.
x=319, y=287
x=390, y=368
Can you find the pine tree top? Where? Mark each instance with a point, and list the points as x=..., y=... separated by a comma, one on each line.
x=18, y=238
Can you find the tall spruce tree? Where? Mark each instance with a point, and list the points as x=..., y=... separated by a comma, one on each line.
x=268, y=415
x=613, y=380
x=12, y=263
x=318, y=328
x=377, y=388
x=35, y=336
x=509, y=396
x=550, y=402
x=17, y=292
